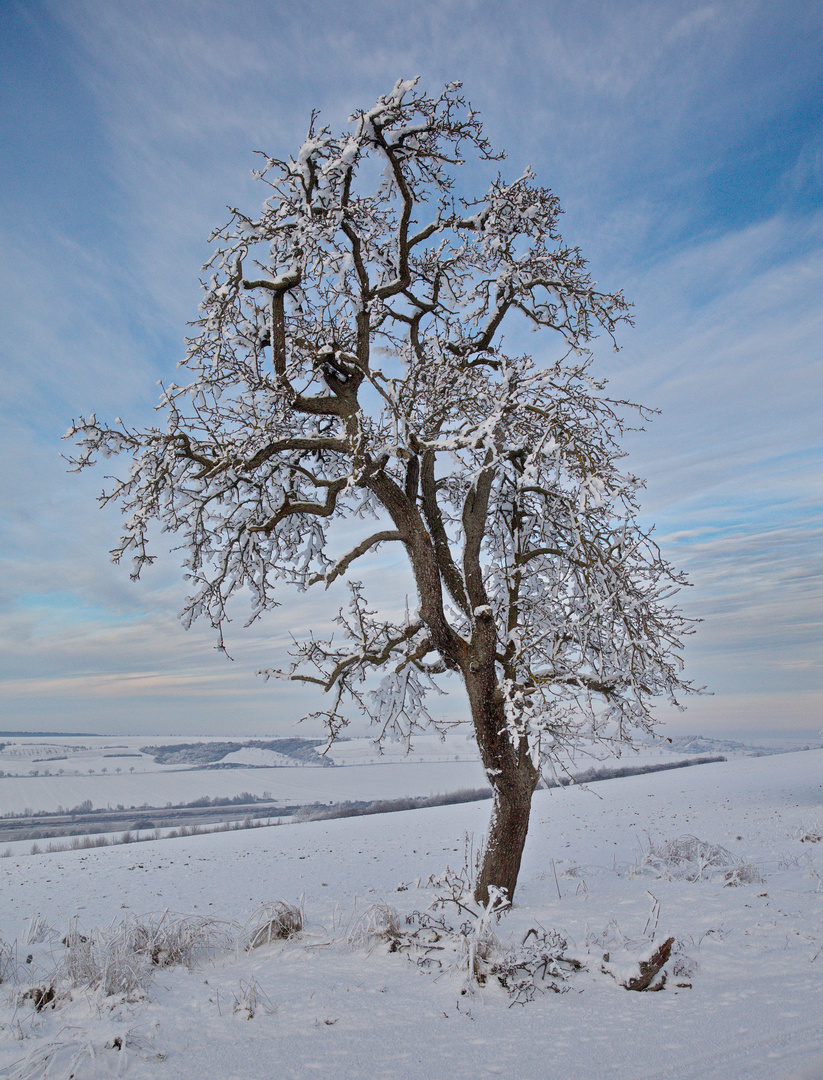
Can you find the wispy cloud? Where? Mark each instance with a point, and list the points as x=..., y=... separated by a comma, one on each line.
x=685, y=144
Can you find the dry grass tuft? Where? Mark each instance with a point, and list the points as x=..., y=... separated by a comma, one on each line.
x=275, y=921
x=121, y=958
x=378, y=923
x=687, y=858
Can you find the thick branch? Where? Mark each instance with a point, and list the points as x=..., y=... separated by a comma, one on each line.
x=475, y=512
x=403, y=279
x=322, y=406
x=425, y=567
x=184, y=449
x=289, y=509
x=434, y=520
x=524, y=558
x=308, y=443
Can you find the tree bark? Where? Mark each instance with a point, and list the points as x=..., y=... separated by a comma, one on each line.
x=513, y=776
x=507, y=830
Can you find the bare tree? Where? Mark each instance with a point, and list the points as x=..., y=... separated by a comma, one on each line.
x=348, y=365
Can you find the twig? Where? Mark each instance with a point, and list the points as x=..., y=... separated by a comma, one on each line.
x=557, y=883
x=654, y=915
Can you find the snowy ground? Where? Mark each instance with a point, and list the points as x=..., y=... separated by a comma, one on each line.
x=112, y=771
x=752, y=954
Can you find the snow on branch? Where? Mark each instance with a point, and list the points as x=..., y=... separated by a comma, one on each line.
x=348, y=366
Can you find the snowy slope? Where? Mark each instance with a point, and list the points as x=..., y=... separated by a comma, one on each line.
x=752, y=954
x=112, y=771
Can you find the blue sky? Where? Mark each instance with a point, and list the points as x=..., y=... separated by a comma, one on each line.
x=685, y=142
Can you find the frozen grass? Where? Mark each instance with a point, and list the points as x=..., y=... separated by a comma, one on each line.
x=119, y=962
x=379, y=923
x=116, y=960
x=250, y=999
x=274, y=922
x=8, y=960
x=686, y=858
x=115, y=968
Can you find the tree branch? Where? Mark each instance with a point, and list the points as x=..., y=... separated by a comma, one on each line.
x=425, y=567
x=289, y=509
x=434, y=520
x=345, y=562
x=308, y=443
x=475, y=511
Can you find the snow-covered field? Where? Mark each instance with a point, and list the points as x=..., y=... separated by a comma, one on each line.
x=39, y=774
x=113, y=771
x=742, y=998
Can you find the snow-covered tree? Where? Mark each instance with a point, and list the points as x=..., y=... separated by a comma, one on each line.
x=349, y=366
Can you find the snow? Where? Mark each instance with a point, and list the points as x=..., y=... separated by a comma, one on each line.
x=432, y=768
x=751, y=954
x=257, y=758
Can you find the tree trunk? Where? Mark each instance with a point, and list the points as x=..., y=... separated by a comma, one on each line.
x=513, y=777
x=505, y=754
x=507, y=831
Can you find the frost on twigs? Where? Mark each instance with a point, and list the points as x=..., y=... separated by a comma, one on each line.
x=686, y=858
x=455, y=936
x=539, y=965
x=349, y=396
x=458, y=935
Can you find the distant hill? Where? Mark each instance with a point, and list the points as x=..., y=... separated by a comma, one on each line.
x=52, y=735
x=702, y=744
x=212, y=754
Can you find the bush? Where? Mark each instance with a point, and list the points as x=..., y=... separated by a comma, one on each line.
x=539, y=964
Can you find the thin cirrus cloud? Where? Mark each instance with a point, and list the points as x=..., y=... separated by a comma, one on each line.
x=685, y=144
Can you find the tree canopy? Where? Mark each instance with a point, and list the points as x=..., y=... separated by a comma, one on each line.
x=349, y=366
